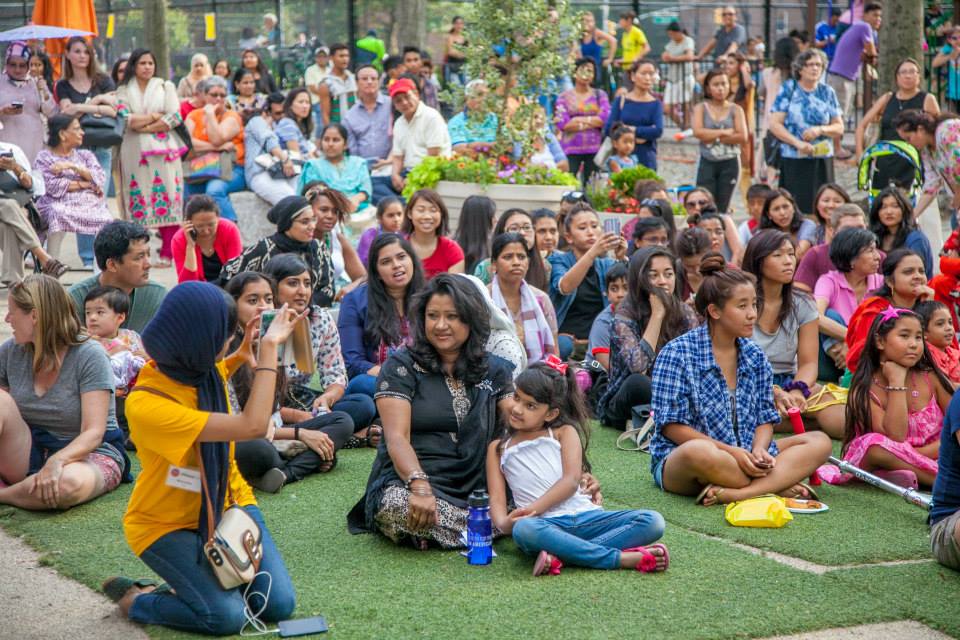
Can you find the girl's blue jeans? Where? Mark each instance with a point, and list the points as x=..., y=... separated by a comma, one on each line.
x=201, y=605
x=590, y=539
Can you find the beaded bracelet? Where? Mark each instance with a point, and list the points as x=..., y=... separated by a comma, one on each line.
x=895, y=389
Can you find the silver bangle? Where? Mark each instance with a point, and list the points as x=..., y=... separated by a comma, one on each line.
x=416, y=475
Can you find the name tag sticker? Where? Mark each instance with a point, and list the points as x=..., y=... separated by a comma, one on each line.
x=185, y=478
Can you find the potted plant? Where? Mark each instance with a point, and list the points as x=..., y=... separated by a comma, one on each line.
x=518, y=47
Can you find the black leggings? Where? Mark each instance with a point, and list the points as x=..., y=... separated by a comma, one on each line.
x=584, y=160
x=256, y=457
x=633, y=391
x=720, y=177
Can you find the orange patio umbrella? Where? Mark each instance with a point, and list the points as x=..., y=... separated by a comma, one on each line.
x=72, y=14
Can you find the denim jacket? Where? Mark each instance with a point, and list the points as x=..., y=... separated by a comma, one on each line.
x=561, y=262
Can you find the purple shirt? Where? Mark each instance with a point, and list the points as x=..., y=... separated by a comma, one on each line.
x=569, y=107
x=370, y=134
x=846, y=59
x=840, y=296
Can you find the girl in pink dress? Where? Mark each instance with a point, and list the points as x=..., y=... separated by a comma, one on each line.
x=896, y=405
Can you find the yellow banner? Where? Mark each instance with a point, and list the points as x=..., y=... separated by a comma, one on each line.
x=210, y=26
x=111, y=24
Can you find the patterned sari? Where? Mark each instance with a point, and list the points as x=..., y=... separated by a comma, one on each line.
x=151, y=175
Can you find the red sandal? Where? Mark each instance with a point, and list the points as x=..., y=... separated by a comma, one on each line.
x=547, y=564
x=648, y=561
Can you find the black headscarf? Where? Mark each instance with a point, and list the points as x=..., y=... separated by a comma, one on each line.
x=184, y=338
x=283, y=213
x=313, y=252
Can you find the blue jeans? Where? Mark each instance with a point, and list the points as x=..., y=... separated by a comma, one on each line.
x=590, y=539
x=565, y=346
x=363, y=383
x=359, y=406
x=317, y=119
x=201, y=605
x=104, y=156
x=827, y=369
x=220, y=190
x=382, y=188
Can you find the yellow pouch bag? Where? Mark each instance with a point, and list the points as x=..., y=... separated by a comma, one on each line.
x=763, y=511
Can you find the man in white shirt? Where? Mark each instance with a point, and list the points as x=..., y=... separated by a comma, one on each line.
x=18, y=184
x=313, y=77
x=420, y=131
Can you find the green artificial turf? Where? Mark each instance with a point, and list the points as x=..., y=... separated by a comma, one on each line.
x=369, y=588
x=899, y=530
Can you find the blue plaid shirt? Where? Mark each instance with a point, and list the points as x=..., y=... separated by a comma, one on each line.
x=689, y=388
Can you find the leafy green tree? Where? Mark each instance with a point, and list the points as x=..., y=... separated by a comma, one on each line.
x=517, y=46
x=902, y=22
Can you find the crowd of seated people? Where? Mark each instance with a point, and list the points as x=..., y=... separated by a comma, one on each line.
x=366, y=320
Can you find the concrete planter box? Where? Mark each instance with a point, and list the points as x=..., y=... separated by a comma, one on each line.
x=523, y=196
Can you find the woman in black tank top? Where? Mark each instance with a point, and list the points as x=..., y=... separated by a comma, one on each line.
x=906, y=96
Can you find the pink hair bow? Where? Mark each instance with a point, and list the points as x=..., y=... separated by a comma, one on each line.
x=556, y=364
x=892, y=312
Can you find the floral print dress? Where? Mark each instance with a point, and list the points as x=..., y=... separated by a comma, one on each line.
x=151, y=175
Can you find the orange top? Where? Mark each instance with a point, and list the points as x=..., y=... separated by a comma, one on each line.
x=198, y=116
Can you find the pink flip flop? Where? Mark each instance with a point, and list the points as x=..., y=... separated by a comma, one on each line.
x=901, y=477
x=644, y=566
x=546, y=564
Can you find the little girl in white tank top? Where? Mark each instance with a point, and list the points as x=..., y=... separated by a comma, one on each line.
x=541, y=460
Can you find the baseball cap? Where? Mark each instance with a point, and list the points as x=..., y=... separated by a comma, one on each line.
x=674, y=26
x=402, y=85
x=324, y=50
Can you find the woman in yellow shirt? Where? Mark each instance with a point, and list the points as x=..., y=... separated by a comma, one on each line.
x=179, y=409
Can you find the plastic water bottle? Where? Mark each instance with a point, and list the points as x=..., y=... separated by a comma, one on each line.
x=479, y=529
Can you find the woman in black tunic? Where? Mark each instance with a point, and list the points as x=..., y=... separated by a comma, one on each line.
x=438, y=400
x=908, y=95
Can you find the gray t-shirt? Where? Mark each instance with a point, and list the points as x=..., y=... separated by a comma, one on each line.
x=723, y=37
x=680, y=71
x=781, y=347
x=86, y=367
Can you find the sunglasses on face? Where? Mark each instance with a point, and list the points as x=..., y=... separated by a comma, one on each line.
x=696, y=203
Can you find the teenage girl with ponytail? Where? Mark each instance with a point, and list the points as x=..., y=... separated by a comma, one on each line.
x=713, y=404
x=541, y=458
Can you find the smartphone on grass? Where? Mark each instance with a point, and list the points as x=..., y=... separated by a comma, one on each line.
x=302, y=627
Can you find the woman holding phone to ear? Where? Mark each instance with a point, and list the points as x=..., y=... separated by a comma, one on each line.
x=178, y=416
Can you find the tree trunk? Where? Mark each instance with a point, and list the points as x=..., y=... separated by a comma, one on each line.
x=155, y=32
x=902, y=23
x=411, y=23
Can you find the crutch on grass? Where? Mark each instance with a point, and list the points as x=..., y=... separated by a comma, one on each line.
x=910, y=495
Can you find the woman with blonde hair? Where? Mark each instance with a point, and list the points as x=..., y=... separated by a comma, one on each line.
x=52, y=375
x=199, y=70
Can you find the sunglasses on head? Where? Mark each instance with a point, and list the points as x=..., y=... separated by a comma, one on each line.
x=573, y=196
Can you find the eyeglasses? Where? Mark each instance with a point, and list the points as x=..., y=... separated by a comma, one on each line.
x=689, y=204
x=728, y=13
x=812, y=65
x=217, y=95
x=519, y=228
